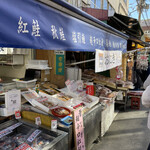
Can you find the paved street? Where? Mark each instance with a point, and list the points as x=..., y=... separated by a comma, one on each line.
x=128, y=132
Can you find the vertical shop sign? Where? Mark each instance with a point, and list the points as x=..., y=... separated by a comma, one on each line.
x=106, y=60
x=59, y=62
x=78, y=129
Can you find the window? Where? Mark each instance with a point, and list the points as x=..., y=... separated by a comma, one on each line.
x=96, y=4
x=92, y=3
x=105, y=3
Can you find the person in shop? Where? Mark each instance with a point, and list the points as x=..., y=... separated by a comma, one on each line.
x=146, y=100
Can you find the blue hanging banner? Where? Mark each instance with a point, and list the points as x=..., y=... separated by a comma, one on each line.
x=31, y=24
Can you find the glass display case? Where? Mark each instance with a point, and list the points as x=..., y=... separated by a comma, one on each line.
x=24, y=134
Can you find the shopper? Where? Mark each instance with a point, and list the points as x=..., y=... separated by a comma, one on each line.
x=146, y=103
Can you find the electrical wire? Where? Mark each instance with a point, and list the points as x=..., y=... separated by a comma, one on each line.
x=142, y=14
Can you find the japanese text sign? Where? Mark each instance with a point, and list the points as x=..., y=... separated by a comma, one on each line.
x=32, y=137
x=79, y=129
x=32, y=24
x=13, y=101
x=60, y=64
x=106, y=60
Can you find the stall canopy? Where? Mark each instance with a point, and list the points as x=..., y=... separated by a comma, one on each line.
x=129, y=26
x=35, y=24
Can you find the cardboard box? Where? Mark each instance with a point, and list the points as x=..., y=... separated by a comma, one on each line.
x=43, y=75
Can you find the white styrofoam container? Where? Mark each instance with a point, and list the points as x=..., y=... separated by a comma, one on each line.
x=25, y=84
x=37, y=64
x=4, y=112
x=7, y=86
x=107, y=118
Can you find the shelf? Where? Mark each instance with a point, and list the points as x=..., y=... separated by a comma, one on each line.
x=11, y=64
x=122, y=88
x=100, y=82
x=47, y=68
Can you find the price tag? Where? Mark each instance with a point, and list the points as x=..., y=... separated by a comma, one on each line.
x=32, y=137
x=17, y=114
x=38, y=121
x=53, y=124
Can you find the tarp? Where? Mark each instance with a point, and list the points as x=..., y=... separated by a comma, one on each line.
x=31, y=24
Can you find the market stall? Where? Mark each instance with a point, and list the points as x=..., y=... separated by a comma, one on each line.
x=45, y=25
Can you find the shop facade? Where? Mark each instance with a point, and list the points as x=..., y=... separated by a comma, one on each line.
x=55, y=25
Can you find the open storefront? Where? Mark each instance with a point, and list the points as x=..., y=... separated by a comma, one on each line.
x=51, y=28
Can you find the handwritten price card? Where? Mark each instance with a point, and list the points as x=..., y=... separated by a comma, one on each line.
x=78, y=129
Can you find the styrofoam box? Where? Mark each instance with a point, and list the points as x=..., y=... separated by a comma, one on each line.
x=25, y=84
x=107, y=118
x=4, y=112
x=8, y=86
x=41, y=64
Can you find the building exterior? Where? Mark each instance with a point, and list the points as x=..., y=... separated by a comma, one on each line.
x=118, y=6
x=145, y=24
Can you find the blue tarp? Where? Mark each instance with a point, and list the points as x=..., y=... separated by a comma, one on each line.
x=31, y=24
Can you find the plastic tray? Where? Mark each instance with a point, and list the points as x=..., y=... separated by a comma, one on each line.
x=66, y=120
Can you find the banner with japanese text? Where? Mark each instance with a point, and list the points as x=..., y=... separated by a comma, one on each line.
x=105, y=60
x=60, y=62
x=32, y=24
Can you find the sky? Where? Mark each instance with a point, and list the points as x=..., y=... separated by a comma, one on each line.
x=134, y=13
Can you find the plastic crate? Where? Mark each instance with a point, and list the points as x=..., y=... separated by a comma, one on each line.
x=25, y=84
x=135, y=102
x=7, y=86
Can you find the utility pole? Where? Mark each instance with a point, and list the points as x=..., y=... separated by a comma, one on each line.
x=140, y=7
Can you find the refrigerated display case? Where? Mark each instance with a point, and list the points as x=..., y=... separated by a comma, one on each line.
x=17, y=134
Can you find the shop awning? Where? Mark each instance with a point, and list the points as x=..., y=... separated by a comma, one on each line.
x=127, y=25
x=43, y=24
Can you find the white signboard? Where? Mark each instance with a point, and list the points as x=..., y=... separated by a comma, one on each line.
x=13, y=101
x=58, y=52
x=106, y=60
